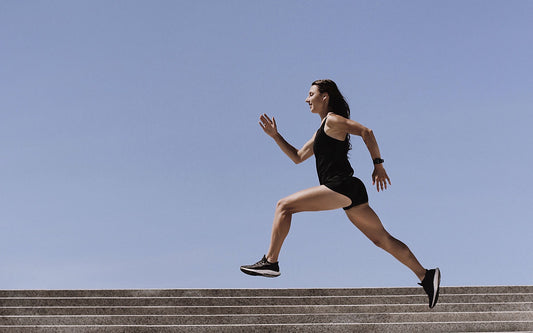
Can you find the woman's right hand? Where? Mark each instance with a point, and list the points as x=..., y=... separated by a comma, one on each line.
x=269, y=126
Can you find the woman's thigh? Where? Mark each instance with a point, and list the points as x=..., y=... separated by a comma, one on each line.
x=314, y=199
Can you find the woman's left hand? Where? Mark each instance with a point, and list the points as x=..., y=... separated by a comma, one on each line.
x=380, y=177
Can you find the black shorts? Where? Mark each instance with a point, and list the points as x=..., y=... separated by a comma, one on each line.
x=351, y=187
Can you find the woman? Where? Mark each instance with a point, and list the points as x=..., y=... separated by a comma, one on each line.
x=338, y=188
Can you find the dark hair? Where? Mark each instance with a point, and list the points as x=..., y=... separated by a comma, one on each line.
x=337, y=104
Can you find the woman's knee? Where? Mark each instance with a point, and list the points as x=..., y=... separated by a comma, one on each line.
x=284, y=206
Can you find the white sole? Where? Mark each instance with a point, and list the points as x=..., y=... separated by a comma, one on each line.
x=261, y=272
x=436, y=284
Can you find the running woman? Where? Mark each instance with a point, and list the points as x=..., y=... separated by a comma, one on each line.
x=338, y=187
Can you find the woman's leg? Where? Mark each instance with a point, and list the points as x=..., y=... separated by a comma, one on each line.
x=364, y=218
x=312, y=199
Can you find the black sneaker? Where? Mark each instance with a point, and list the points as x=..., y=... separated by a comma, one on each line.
x=431, y=284
x=262, y=268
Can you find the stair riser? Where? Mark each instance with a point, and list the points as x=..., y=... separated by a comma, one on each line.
x=207, y=310
x=260, y=292
x=266, y=319
x=253, y=301
x=313, y=328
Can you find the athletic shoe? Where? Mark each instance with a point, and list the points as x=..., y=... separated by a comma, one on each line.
x=262, y=268
x=431, y=284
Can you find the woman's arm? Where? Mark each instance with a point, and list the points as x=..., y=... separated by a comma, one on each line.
x=340, y=124
x=297, y=156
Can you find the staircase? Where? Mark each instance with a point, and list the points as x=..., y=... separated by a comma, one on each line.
x=460, y=309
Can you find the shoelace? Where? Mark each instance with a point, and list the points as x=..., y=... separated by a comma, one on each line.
x=262, y=261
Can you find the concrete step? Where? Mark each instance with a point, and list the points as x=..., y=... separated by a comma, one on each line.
x=474, y=326
x=261, y=292
x=274, y=309
x=260, y=300
x=460, y=309
x=261, y=319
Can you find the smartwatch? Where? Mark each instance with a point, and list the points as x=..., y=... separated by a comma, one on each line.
x=378, y=160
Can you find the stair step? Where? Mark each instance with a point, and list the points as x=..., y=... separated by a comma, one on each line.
x=152, y=320
x=261, y=292
x=273, y=309
x=280, y=328
x=260, y=300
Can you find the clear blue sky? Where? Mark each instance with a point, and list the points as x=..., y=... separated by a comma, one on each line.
x=131, y=156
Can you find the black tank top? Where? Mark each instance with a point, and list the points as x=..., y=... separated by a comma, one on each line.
x=331, y=157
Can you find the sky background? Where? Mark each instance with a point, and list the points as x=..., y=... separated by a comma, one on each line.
x=131, y=155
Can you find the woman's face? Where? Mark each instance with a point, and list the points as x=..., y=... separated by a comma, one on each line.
x=317, y=101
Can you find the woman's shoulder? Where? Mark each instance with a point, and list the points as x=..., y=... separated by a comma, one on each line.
x=333, y=120
x=336, y=126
